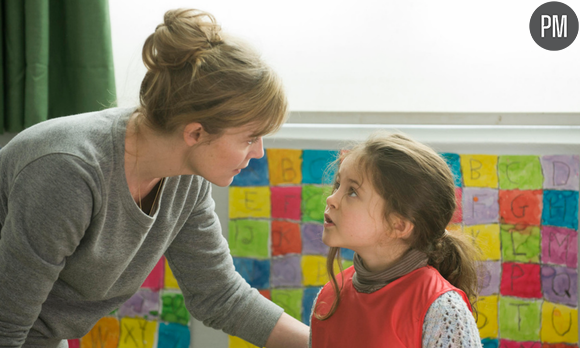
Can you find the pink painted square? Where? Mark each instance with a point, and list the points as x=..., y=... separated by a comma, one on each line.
x=286, y=202
x=560, y=246
x=154, y=280
x=458, y=214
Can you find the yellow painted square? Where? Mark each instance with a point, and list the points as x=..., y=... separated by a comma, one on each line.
x=487, y=239
x=249, y=202
x=285, y=166
x=487, y=316
x=314, y=270
x=236, y=342
x=559, y=323
x=137, y=333
x=170, y=281
x=479, y=170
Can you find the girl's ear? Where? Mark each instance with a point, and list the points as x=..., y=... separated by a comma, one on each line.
x=193, y=133
x=402, y=227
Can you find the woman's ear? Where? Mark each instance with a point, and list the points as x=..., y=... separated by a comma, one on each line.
x=402, y=227
x=193, y=133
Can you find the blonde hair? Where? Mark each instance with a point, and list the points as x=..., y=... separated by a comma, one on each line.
x=416, y=184
x=196, y=73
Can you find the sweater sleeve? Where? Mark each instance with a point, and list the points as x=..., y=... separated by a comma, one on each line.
x=214, y=292
x=49, y=205
x=449, y=323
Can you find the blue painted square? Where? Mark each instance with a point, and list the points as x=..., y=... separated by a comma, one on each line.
x=346, y=254
x=560, y=209
x=315, y=166
x=255, y=174
x=453, y=161
x=173, y=335
x=489, y=343
x=307, y=302
x=255, y=272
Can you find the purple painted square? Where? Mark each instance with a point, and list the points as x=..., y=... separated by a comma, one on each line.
x=286, y=271
x=489, y=278
x=145, y=303
x=560, y=285
x=560, y=246
x=560, y=172
x=480, y=206
x=312, y=240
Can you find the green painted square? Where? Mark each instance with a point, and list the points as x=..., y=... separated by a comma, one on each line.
x=520, y=245
x=314, y=202
x=519, y=320
x=290, y=300
x=249, y=238
x=520, y=172
x=173, y=309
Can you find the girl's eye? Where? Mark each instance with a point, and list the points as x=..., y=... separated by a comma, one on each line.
x=352, y=193
x=252, y=141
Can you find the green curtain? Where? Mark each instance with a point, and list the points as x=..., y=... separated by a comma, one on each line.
x=56, y=58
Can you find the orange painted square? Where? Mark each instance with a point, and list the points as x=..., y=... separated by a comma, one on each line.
x=520, y=207
x=266, y=294
x=286, y=238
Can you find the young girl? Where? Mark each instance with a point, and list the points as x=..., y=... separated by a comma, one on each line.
x=413, y=282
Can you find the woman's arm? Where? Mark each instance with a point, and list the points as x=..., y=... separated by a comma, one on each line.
x=288, y=333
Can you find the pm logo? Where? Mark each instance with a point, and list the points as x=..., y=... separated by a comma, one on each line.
x=554, y=26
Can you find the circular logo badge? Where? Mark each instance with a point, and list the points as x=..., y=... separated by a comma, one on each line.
x=554, y=26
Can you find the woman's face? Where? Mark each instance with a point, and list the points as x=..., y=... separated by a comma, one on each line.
x=220, y=159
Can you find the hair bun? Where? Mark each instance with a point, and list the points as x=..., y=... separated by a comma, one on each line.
x=185, y=37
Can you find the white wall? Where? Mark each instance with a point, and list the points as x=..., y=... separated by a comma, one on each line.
x=413, y=55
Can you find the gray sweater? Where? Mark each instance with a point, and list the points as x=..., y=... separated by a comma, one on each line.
x=74, y=245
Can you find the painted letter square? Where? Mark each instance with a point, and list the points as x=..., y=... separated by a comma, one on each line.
x=249, y=202
x=173, y=335
x=290, y=300
x=560, y=285
x=173, y=308
x=453, y=161
x=312, y=240
x=519, y=320
x=489, y=278
x=310, y=294
x=487, y=318
x=318, y=167
x=144, y=304
x=154, y=280
x=285, y=166
x=286, y=272
x=249, y=238
x=520, y=207
x=560, y=209
x=285, y=238
x=479, y=170
x=487, y=239
x=255, y=174
x=480, y=206
x=521, y=280
x=560, y=246
x=286, y=202
x=520, y=172
x=559, y=323
x=458, y=214
x=314, y=202
x=560, y=172
x=255, y=272
x=520, y=243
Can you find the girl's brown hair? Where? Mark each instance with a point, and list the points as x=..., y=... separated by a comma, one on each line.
x=416, y=184
x=196, y=73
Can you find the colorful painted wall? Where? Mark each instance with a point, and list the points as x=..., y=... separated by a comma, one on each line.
x=522, y=211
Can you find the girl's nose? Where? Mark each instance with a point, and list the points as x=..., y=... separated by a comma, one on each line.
x=258, y=150
x=331, y=201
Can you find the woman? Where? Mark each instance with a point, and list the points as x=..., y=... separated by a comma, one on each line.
x=89, y=203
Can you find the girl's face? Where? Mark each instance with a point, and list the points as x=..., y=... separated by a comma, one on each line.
x=354, y=215
x=221, y=159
